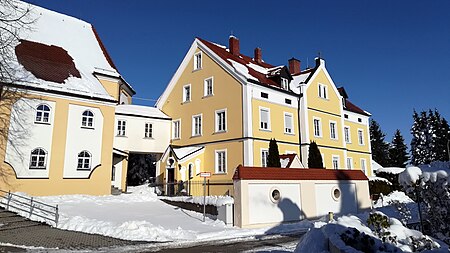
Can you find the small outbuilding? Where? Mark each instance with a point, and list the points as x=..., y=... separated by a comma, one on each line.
x=265, y=196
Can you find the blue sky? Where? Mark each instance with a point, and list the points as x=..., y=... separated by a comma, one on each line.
x=391, y=56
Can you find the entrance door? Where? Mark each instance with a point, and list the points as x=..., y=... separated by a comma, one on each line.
x=170, y=182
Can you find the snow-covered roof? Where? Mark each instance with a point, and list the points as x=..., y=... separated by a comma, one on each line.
x=185, y=151
x=390, y=170
x=69, y=46
x=139, y=110
x=379, y=179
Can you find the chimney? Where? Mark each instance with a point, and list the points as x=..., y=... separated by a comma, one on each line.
x=294, y=66
x=258, y=55
x=234, y=45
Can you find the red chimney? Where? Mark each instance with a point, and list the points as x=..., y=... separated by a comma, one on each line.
x=258, y=55
x=294, y=66
x=234, y=45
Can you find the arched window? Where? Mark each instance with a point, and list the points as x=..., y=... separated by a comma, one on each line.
x=84, y=160
x=43, y=113
x=87, y=120
x=38, y=159
x=191, y=171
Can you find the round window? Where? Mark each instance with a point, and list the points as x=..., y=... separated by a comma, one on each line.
x=336, y=193
x=275, y=195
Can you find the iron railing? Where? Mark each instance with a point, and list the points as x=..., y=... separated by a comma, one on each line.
x=189, y=188
x=16, y=203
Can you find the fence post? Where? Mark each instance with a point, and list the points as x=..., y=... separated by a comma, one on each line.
x=9, y=199
x=56, y=216
x=31, y=207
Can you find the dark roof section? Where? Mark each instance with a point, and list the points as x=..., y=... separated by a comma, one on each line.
x=349, y=106
x=258, y=173
x=49, y=63
x=291, y=158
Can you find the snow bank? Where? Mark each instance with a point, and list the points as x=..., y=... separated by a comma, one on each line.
x=390, y=170
x=393, y=196
x=210, y=200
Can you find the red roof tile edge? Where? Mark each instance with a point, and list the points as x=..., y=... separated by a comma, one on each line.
x=259, y=173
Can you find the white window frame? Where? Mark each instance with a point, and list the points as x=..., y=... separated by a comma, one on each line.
x=363, y=168
x=319, y=127
x=347, y=134
x=176, y=130
x=323, y=91
x=217, y=125
x=205, y=87
x=360, y=136
x=333, y=129
x=148, y=130
x=185, y=97
x=38, y=157
x=292, y=123
x=333, y=159
x=264, y=158
x=44, y=114
x=84, y=160
x=196, y=58
x=216, y=161
x=85, y=119
x=261, y=109
x=349, y=163
x=121, y=127
x=194, y=125
x=284, y=83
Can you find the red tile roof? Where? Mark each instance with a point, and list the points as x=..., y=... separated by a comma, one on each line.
x=50, y=63
x=258, y=173
x=349, y=106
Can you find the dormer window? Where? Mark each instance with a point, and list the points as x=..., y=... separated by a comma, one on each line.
x=284, y=83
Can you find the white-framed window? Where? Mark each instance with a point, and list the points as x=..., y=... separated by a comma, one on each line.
x=186, y=93
x=284, y=83
x=198, y=60
x=197, y=125
x=221, y=161
x=317, y=127
x=38, y=159
x=221, y=120
x=84, y=160
x=87, y=119
x=323, y=91
x=363, y=165
x=264, y=156
x=264, y=118
x=121, y=127
x=349, y=163
x=190, y=171
x=288, y=123
x=148, y=131
x=333, y=132
x=335, y=161
x=347, y=134
x=42, y=114
x=176, y=124
x=208, y=87
x=360, y=137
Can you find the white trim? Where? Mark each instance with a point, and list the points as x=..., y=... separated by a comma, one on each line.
x=216, y=165
x=179, y=129
x=150, y=132
x=361, y=160
x=195, y=61
x=292, y=123
x=320, y=127
x=349, y=162
x=72, y=97
x=360, y=138
x=87, y=117
x=248, y=152
x=193, y=134
x=322, y=91
x=123, y=128
x=338, y=161
x=268, y=119
x=261, y=156
x=349, y=135
x=216, y=121
x=205, y=87
x=185, y=100
x=336, y=136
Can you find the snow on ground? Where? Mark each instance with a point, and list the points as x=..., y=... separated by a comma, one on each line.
x=210, y=200
x=141, y=216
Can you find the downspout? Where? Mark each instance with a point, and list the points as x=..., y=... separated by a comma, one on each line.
x=300, y=95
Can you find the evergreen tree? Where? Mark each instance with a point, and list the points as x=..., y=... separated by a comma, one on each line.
x=141, y=168
x=273, y=159
x=441, y=138
x=398, y=155
x=314, y=158
x=380, y=149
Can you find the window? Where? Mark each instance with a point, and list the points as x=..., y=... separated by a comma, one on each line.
x=221, y=161
x=333, y=132
x=287, y=101
x=264, y=156
x=176, y=129
x=196, y=125
x=190, y=171
x=317, y=128
x=349, y=163
x=121, y=127
x=323, y=91
x=284, y=83
x=264, y=95
x=84, y=160
x=363, y=165
x=346, y=116
x=264, y=118
x=288, y=124
x=38, y=159
x=359, y=120
x=186, y=93
x=148, y=130
x=87, y=119
x=42, y=114
x=208, y=89
x=221, y=121
x=347, y=134
x=335, y=162
x=198, y=61
x=360, y=137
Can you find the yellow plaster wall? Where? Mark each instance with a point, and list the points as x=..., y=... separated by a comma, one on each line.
x=282, y=149
x=357, y=161
x=354, y=145
x=227, y=94
x=327, y=154
x=331, y=104
x=100, y=181
x=325, y=120
x=111, y=87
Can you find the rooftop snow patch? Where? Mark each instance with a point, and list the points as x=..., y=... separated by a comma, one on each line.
x=139, y=110
x=390, y=170
x=183, y=152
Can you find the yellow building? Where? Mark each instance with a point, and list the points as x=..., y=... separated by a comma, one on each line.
x=226, y=106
